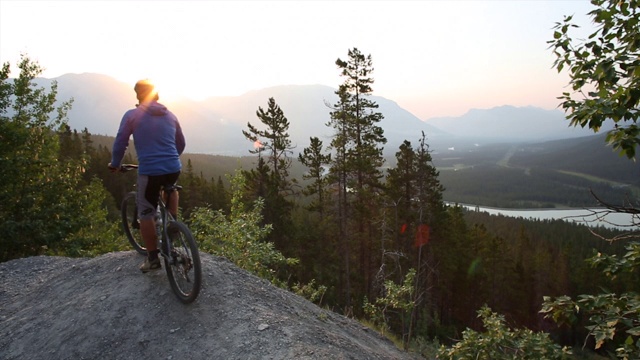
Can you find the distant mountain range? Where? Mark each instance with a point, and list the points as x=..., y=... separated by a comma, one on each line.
x=513, y=124
x=214, y=125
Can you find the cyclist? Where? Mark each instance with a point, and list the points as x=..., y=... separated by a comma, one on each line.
x=159, y=142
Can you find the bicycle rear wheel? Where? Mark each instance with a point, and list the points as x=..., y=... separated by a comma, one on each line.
x=131, y=224
x=183, y=263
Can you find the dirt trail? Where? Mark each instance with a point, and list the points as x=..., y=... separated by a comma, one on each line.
x=104, y=308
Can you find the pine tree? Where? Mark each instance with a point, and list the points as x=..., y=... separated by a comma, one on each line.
x=415, y=194
x=270, y=180
x=71, y=146
x=401, y=189
x=275, y=141
x=221, y=196
x=358, y=142
x=313, y=158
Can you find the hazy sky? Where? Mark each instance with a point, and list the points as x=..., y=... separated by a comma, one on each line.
x=434, y=58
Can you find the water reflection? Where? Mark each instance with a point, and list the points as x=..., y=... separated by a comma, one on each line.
x=591, y=217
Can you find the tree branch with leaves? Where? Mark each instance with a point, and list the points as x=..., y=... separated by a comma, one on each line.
x=604, y=71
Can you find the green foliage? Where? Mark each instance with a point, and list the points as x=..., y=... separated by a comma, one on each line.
x=428, y=349
x=498, y=341
x=604, y=71
x=612, y=318
x=41, y=166
x=311, y=291
x=200, y=192
x=97, y=235
x=240, y=237
x=398, y=301
x=612, y=266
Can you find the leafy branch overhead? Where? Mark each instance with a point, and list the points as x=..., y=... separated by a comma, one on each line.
x=604, y=71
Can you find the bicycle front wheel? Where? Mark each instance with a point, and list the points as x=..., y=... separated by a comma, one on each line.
x=131, y=223
x=183, y=263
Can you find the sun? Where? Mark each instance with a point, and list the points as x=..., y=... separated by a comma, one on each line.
x=193, y=83
x=168, y=89
x=173, y=88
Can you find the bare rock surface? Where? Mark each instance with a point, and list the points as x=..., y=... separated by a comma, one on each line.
x=105, y=308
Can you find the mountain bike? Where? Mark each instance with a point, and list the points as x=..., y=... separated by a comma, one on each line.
x=175, y=242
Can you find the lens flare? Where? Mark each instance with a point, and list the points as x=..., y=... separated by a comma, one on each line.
x=422, y=235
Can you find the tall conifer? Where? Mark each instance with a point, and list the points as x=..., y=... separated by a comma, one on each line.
x=358, y=143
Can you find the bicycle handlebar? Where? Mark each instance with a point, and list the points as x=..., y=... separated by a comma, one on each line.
x=126, y=167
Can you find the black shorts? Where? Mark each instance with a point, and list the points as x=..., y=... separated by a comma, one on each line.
x=148, y=191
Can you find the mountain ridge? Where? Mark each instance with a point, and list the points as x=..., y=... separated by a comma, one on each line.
x=214, y=125
x=533, y=124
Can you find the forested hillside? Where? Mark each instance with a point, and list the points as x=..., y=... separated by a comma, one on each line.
x=538, y=175
x=589, y=156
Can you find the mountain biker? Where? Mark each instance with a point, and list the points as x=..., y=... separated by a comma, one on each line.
x=159, y=142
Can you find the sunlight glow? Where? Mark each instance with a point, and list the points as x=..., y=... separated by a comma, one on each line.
x=434, y=58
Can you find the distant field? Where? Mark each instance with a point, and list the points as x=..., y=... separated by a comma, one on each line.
x=554, y=174
x=632, y=189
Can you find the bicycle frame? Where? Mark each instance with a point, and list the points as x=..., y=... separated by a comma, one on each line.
x=166, y=217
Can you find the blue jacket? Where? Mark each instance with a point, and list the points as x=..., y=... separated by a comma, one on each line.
x=157, y=137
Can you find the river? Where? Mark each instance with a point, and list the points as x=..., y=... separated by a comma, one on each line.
x=591, y=217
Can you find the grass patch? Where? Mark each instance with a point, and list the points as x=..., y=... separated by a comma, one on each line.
x=384, y=332
x=633, y=189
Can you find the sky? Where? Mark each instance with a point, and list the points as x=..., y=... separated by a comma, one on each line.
x=433, y=58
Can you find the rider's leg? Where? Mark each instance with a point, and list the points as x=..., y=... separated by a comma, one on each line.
x=148, y=190
x=174, y=198
x=148, y=232
x=149, y=236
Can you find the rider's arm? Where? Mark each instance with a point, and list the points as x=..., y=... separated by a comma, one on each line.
x=180, y=141
x=122, y=140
